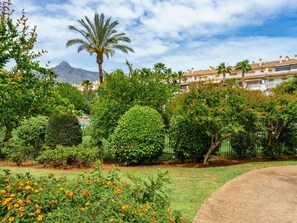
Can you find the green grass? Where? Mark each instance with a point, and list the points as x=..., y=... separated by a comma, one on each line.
x=189, y=186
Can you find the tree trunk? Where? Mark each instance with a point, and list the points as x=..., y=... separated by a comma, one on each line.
x=270, y=143
x=100, y=62
x=212, y=148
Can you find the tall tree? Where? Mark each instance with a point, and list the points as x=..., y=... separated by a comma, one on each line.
x=224, y=69
x=100, y=37
x=26, y=89
x=244, y=67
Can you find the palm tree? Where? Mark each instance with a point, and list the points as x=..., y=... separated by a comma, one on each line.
x=224, y=69
x=244, y=67
x=86, y=84
x=100, y=37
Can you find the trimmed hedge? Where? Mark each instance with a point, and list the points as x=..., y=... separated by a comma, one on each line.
x=63, y=130
x=139, y=137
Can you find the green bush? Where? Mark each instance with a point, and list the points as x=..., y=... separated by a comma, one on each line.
x=244, y=144
x=139, y=136
x=17, y=150
x=74, y=155
x=91, y=197
x=188, y=139
x=63, y=130
x=287, y=142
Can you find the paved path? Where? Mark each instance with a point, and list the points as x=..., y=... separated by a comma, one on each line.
x=262, y=196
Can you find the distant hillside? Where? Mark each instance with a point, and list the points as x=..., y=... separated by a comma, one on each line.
x=72, y=75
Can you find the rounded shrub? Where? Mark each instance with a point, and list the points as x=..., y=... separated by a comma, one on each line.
x=188, y=139
x=139, y=137
x=63, y=130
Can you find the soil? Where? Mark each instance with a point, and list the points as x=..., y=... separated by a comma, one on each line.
x=162, y=164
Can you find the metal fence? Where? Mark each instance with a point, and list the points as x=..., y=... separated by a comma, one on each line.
x=225, y=150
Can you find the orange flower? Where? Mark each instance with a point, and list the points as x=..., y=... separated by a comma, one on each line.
x=39, y=218
x=69, y=193
x=38, y=211
x=3, y=219
x=11, y=219
x=2, y=192
x=21, y=214
x=6, y=180
x=36, y=191
x=117, y=191
x=124, y=207
x=86, y=193
x=171, y=220
x=28, y=187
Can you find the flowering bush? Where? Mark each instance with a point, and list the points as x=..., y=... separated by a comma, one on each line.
x=92, y=197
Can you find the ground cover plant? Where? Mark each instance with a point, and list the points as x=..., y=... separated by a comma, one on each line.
x=188, y=188
x=91, y=197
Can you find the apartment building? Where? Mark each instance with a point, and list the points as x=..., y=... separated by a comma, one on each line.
x=263, y=76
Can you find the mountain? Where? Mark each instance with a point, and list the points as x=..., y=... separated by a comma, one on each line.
x=72, y=75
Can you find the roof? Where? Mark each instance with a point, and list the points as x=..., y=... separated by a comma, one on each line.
x=263, y=65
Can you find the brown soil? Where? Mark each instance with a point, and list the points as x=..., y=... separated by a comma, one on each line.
x=163, y=164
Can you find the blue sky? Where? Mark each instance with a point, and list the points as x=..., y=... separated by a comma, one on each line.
x=183, y=34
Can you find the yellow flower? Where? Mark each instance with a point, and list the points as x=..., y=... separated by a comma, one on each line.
x=3, y=219
x=124, y=207
x=88, y=203
x=12, y=195
x=2, y=192
x=171, y=220
x=6, y=180
x=82, y=209
x=36, y=191
x=16, y=205
x=21, y=214
x=28, y=187
x=38, y=211
x=39, y=218
x=22, y=203
x=117, y=191
x=4, y=203
x=11, y=219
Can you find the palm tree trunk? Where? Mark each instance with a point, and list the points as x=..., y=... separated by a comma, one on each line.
x=100, y=62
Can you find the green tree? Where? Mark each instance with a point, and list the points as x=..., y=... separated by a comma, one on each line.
x=119, y=93
x=224, y=69
x=289, y=87
x=75, y=96
x=244, y=67
x=100, y=37
x=25, y=90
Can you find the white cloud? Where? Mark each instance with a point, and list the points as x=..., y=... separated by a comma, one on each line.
x=164, y=31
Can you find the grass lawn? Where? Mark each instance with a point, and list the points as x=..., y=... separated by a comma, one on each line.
x=189, y=186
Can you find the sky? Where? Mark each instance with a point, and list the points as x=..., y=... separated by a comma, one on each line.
x=182, y=34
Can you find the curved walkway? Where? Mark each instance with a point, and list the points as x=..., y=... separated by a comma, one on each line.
x=265, y=195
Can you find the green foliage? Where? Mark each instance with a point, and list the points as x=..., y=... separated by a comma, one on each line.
x=244, y=144
x=139, y=136
x=50, y=199
x=188, y=139
x=289, y=87
x=287, y=143
x=100, y=37
x=63, y=130
x=26, y=90
x=75, y=96
x=17, y=150
x=32, y=132
x=74, y=155
x=120, y=92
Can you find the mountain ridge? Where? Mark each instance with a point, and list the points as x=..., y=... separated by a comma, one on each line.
x=67, y=73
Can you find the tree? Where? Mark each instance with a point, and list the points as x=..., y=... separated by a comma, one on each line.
x=100, y=37
x=216, y=110
x=75, y=96
x=224, y=69
x=244, y=67
x=25, y=90
x=119, y=93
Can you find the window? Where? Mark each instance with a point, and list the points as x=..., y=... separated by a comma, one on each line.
x=294, y=66
x=283, y=68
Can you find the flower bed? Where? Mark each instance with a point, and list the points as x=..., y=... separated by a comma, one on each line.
x=92, y=197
